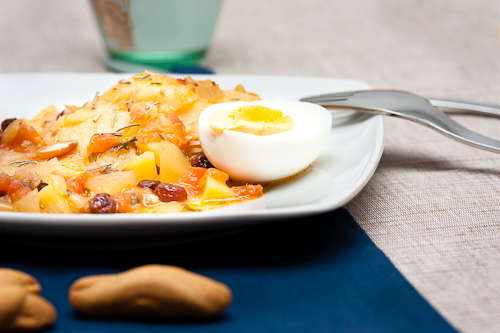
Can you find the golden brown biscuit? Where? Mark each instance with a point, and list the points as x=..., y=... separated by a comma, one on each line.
x=21, y=308
x=9, y=276
x=151, y=291
x=11, y=303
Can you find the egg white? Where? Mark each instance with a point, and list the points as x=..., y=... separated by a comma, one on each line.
x=261, y=159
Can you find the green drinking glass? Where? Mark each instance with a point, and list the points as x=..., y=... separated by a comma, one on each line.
x=161, y=33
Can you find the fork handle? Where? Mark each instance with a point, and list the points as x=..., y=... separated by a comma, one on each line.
x=465, y=108
x=437, y=121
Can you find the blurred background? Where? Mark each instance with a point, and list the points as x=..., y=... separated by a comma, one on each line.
x=442, y=48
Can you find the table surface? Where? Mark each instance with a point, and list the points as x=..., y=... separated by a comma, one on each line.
x=433, y=205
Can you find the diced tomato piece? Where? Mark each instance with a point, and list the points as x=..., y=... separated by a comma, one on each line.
x=25, y=133
x=174, y=118
x=165, y=126
x=19, y=193
x=146, y=196
x=248, y=191
x=217, y=174
x=14, y=185
x=26, y=147
x=4, y=183
x=124, y=202
x=27, y=180
x=181, y=81
x=75, y=184
x=189, y=181
x=141, y=112
x=175, y=133
x=102, y=142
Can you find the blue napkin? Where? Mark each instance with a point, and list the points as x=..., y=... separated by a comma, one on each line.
x=313, y=274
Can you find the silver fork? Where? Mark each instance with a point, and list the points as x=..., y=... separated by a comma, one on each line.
x=407, y=106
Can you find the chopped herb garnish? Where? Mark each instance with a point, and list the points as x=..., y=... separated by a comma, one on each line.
x=131, y=99
x=27, y=184
x=99, y=167
x=23, y=162
x=95, y=100
x=134, y=199
x=161, y=136
x=114, y=133
x=70, y=192
x=108, y=169
x=96, y=118
x=124, y=82
x=188, y=208
x=113, y=119
x=125, y=144
x=124, y=127
x=55, y=138
x=143, y=77
x=155, y=103
x=156, y=83
x=162, y=93
x=94, y=157
x=26, y=162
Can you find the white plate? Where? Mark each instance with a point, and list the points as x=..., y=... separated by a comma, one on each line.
x=346, y=165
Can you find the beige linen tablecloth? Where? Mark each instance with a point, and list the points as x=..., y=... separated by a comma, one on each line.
x=433, y=205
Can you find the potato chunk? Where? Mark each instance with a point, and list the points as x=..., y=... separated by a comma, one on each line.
x=112, y=183
x=144, y=166
x=173, y=162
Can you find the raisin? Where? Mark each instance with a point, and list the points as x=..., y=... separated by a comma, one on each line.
x=41, y=185
x=102, y=203
x=168, y=192
x=151, y=184
x=201, y=161
x=7, y=122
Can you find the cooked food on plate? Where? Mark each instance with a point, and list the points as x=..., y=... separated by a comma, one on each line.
x=136, y=149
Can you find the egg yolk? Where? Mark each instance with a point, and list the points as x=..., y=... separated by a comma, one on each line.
x=251, y=119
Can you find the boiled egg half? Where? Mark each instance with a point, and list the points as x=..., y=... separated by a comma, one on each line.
x=263, y=141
